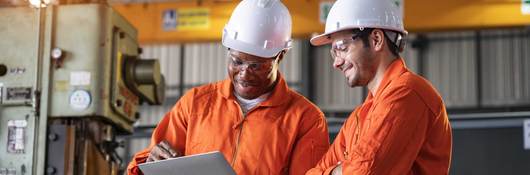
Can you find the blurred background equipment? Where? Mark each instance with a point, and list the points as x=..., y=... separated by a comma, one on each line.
x=71, y=80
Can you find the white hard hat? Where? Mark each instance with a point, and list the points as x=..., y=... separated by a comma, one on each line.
x=259, y=27
x=354, y=14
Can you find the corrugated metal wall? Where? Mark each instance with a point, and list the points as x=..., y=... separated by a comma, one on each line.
x=410, y=55
x=204, y=63
x=505, y=70
x=498, y=59
x=450, y=65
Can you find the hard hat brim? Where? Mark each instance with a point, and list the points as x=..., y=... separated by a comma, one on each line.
x=321, y=39
x=251, y=49
x=325, y=38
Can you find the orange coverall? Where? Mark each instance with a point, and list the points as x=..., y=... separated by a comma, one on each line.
x=285, y=134
x=403, y=129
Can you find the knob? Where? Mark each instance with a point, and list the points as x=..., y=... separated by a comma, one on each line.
x=3, y=70
x=52, y=137
x=51, y=170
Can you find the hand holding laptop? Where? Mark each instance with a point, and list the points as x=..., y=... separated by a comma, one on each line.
x=161, y=151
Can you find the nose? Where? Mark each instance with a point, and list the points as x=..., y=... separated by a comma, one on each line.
x=338, y=62
x=243, y=71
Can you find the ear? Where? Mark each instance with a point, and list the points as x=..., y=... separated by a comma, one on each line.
x=377, y=39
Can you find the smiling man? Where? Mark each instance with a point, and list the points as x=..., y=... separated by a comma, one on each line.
x=402, y=127
x=259, y=124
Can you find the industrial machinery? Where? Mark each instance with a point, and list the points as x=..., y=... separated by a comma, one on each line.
x=70, y=80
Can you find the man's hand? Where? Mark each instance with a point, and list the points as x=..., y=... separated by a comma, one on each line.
x=337, y=170
x=162, y=151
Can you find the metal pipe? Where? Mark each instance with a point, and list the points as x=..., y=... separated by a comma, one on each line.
x=478, y=57
x=181, y=75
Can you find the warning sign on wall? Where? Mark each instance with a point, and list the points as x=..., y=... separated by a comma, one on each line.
x=186, y=19
x=525, y=7
x=323, y=11
x=169, y=19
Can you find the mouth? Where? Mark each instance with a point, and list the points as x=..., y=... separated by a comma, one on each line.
x=346, y=67
x=245, y=84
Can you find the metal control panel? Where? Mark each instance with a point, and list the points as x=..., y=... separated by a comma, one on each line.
x=18, y=84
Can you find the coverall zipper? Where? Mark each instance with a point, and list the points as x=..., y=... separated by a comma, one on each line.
x=238, y=136
x=357, y=128
x=240, y=131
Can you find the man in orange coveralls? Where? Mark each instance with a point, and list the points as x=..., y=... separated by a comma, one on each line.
x=402, y=127
x=259, y=124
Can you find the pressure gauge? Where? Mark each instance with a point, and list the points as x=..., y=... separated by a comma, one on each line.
x=80, y=100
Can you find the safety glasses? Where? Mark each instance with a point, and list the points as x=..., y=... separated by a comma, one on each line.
x=342, y=46
x=254, y=66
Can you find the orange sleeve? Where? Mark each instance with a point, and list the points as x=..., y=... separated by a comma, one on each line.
x=395, y=132
x=334, y=155
x=311, y=144
x=171, y=128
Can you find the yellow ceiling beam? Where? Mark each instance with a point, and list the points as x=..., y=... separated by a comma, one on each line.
x=147, y=18
x=420, y=16
x=431, y=15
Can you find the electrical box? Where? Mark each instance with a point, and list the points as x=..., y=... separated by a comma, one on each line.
x=18, y=80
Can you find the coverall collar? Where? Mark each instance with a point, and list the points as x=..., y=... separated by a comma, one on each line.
x=276, y=98
x=395, y=69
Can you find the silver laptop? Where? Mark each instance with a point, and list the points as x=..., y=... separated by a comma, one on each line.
x=198, y=164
